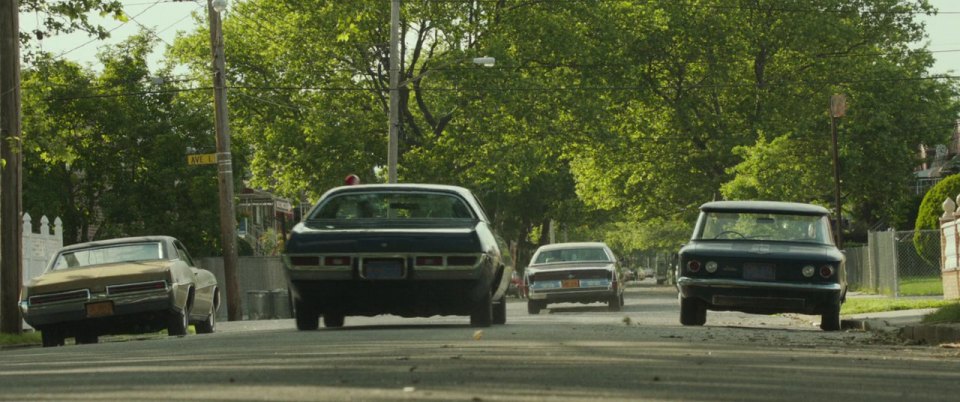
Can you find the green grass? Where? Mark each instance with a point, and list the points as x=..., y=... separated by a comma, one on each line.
x=877, y=304
x=930, y=286
x=22, y=339
x=946, y=314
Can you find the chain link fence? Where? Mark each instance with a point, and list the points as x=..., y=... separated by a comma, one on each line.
x=892, y=263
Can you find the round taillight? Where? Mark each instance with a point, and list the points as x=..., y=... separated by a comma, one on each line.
x=711, y=266
x=693, y=266
x=826, y=271
x=808, y=271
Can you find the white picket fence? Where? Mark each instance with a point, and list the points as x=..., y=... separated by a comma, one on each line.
x=38, y=248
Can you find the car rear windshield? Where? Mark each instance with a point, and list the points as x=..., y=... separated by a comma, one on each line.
x=734, y=226
x=572, y=255
x=385, y=205
x=108, y=254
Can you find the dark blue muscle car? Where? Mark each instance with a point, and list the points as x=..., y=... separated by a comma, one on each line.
x=412, y=250
x=761, y=257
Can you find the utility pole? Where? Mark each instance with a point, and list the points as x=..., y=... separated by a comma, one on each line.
x=838, y=107
x=394, y=141
x=11, y=226
x=228, y=224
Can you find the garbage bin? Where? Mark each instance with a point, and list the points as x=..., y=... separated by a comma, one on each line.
x=259, y=305
x=281, y=303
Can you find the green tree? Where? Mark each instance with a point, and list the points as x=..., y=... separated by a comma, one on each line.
x=106, y=151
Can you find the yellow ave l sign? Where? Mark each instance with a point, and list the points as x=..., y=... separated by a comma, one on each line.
x=202, y=159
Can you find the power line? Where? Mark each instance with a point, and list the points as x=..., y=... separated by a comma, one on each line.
x=111, y=30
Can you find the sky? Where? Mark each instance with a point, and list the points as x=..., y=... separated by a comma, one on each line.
x=167, y=17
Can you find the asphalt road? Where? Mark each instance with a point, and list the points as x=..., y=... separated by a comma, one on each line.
x=567, y=353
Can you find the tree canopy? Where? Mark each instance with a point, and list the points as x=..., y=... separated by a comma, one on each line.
x=614, y=120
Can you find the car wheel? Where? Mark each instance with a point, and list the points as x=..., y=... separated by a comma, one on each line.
x=500, y=312
x=51, y=337
x=85, y=337
x=177, y=323
x=614, y=304
x=306, y=316
x=482, y=314
x=692, y=312
x=830, y=320
x=332, y=320
x=534, y=307
x=210, y=324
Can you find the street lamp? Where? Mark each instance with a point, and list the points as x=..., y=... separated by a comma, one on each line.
x=228, y=224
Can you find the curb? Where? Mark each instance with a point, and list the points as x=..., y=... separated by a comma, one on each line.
x=933, y=334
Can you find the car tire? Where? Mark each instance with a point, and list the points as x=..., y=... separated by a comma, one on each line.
x=482, y=314
x=51, y=337
x=534, y=307
x=500, y=312
x=692, y=312
x=614, y=304
x=209, y=325
x=177, y=323
x=306, y=316
x=830, y=319
x=331, y=320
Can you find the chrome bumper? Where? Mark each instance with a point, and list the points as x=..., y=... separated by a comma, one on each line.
x=739, y=283
x=75, y=310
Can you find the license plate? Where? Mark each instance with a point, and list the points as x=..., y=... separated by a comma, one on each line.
x=99, y=309
x=383, y=268
x=571, y=283
x=759, y=272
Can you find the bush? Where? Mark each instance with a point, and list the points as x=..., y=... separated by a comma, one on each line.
x=931, y=207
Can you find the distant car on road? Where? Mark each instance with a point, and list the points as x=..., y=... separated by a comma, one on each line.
x=120, y=286
x=762, y=257
x=585, y=272
x=413, y=250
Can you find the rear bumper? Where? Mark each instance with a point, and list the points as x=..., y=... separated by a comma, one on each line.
x=573, y=295
x=762, y=297
x=128, y=310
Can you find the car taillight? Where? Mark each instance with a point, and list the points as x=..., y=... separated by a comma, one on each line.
x=826, y=271
x=693, y=266
x=429, y=261
x=712, y=266
x=336, y=261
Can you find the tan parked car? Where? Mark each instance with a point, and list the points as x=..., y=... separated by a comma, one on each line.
x=586, y=272
x=120, y=286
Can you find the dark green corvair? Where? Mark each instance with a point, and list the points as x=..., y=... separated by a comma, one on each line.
x=761, y=257
x=412, y=250
x=120, y=286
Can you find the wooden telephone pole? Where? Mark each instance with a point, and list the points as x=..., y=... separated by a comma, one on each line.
x=11, y=226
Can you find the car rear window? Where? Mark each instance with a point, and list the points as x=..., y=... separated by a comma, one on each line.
x=571, y=255
x=108, y=254
x=736, y=226
x=392, y=206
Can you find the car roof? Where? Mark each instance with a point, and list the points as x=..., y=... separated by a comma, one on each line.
x=400, y=187
x=121, y=240
x=765, y=206
x=555, y=246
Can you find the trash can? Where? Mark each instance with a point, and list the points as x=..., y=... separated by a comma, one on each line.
x=281, y=303
x=259, y=305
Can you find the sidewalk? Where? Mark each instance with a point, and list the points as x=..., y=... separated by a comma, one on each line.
x=906, y=324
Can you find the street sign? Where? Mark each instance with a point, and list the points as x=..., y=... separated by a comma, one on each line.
x=202, y=159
